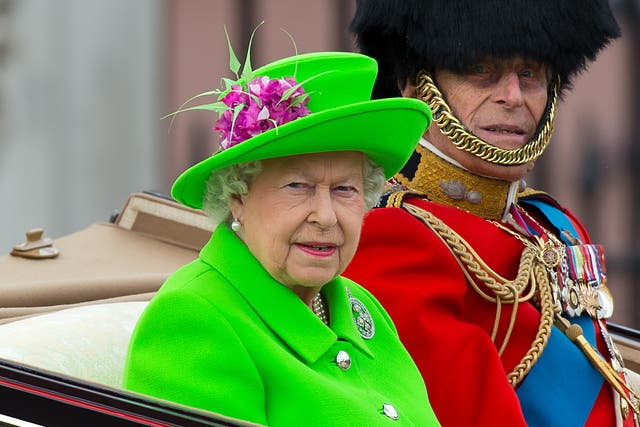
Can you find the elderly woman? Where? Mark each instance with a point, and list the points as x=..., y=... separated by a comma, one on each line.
x=261, y=327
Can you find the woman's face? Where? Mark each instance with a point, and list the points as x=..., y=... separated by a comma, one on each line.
x=302, y=217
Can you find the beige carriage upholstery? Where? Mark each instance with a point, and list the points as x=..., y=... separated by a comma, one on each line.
x=73, y=314
x=87, y=342
x=106, y=262
x=630, y=352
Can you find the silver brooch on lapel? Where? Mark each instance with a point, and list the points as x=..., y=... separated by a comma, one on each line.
x=361, y=317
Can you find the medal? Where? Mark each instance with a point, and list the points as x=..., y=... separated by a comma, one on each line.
x=585, y=287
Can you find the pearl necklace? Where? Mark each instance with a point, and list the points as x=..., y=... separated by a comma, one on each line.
x=320, y=308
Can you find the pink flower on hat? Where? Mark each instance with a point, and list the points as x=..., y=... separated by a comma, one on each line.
x=262, y=105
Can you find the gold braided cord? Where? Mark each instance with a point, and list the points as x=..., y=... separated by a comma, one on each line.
x=473, y=263
x=469, y=261
x=512, y=320
x=544, y=329
x=531, y=274
x=464, y=140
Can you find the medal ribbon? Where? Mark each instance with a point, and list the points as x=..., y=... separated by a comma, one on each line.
x=532, y=228
x=586, y=264
x=552, y=394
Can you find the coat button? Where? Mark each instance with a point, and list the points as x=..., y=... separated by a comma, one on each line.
x=390, y=411
x=343, y=360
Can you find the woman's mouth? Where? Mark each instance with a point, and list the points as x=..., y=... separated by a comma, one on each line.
x=317, y=249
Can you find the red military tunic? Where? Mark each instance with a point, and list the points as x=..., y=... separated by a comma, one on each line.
x=446, y=324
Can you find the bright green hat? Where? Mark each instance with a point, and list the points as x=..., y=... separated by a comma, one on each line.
x=341, y=118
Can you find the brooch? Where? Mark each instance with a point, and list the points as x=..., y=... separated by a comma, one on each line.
x=361, y=317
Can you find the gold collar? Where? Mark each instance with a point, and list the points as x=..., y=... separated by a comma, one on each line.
x=444, y=182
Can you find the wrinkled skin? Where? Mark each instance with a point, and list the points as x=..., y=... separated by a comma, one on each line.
x=302, y=217
x=501, y=102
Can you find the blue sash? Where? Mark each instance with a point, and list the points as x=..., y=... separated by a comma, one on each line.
x=556, y=217
x=562, y=387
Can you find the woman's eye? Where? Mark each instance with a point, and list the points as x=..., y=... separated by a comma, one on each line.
x=346, y=189
x=300, y=187
x=297, y=185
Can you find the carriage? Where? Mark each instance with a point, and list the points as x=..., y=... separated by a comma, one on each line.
x=68, y=307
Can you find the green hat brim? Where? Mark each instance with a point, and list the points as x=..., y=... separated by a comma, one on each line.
x=387, y=130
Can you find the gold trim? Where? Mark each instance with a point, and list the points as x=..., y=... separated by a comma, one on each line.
x=451, y=127
x=433, y=172
x=532, y=278
x=396, y=199
x=526, y=192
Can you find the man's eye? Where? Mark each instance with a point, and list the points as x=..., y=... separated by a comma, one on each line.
x=478, y=69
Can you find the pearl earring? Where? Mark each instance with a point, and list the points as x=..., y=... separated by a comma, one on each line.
x=235, y=225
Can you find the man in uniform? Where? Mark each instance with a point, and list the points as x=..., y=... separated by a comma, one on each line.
x=496, y=290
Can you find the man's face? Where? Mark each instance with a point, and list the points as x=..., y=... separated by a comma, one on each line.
x=501, y=102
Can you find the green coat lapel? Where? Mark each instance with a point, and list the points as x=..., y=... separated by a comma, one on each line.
x=281, y=309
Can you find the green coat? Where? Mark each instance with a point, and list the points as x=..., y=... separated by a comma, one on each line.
x=222, y=335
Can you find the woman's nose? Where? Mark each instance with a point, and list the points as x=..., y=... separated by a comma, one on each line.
x=507, y=90
x=322, y=209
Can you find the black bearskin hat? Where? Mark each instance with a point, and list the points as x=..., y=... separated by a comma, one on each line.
x=406, y=36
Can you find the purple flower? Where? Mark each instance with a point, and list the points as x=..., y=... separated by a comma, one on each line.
x=263, y=106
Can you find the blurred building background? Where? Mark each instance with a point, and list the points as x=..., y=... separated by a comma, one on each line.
x=83, y=84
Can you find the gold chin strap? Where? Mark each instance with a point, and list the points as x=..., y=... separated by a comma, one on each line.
x=463, y=140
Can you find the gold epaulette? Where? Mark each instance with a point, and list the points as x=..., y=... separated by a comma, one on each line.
x=397, y=198
x=528, y=191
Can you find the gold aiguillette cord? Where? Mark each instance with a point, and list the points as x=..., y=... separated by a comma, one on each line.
x=574, y=333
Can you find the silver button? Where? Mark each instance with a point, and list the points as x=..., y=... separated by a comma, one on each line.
x=343, y=360
x=390, y=411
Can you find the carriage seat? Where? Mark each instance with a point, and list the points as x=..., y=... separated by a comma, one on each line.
x=88, y=342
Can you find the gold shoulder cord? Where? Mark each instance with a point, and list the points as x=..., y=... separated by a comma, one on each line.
x=531, y=276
